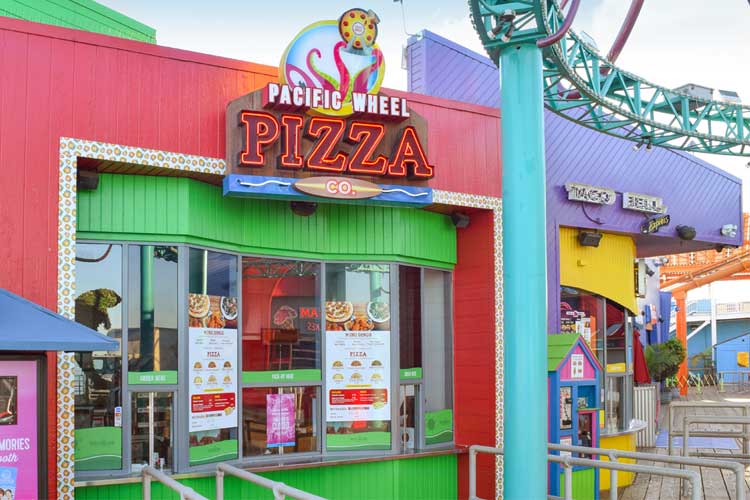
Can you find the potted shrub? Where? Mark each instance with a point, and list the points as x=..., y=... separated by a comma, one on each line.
x=663, y=362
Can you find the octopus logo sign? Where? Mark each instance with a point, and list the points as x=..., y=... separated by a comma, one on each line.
x=340, y=58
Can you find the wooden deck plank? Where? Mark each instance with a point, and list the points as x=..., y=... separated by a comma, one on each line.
x=717, y=484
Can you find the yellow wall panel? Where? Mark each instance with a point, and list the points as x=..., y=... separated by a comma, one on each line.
x=606, y=270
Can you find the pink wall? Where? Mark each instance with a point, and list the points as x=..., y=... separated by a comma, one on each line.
x=588, y=368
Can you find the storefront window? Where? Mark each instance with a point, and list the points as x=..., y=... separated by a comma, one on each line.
x=583, y=313
x=410, y=322
x=152, y=314
x=152, y=430
x=607, y=328
x=358, y=345
x=438, y=374
x=213, y=312
x=98, y=395
x=279, y=420
x=280, y=320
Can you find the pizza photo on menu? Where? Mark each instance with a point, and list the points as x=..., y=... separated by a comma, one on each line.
x=339, y=311
x=198, y=305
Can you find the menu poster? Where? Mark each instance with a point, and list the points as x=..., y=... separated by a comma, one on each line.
x=358, y=347
x=213, y=362
x=280, y=422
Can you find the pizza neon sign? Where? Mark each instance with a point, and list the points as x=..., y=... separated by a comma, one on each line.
x=264, y=130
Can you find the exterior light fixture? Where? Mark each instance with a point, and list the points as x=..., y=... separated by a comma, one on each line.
x=589, y=238
x=638, y=146
x=729, y=230
x=686, y=232
x=460, y=220
x=87, y=180
x=303, y=208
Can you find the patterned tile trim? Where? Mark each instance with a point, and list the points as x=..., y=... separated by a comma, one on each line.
x=496, y=205
x=65, y=426
x=70, y=151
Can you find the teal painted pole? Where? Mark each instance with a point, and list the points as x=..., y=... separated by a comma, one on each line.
x=147, y=308
x=524, y=274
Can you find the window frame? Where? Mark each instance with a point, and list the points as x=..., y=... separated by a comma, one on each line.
x=180, y=391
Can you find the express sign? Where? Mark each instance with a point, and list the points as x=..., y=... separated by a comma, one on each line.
x=325, y=116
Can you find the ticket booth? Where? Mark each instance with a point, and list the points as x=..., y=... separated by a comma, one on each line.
x=30, y=337
x=573, y=378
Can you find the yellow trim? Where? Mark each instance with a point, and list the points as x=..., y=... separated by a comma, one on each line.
x=606, y=270
x=625, y=442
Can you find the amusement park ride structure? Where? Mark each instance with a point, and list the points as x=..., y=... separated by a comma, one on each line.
x=544, y=63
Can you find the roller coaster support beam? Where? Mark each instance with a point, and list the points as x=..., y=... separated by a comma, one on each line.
x=524, y=273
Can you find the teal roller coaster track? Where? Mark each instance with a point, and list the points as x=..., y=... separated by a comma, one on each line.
x=588, y=88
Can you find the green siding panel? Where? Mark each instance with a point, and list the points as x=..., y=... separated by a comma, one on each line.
x=583, y=484
x=85, y=15
x=182, y=210
x=426, y=478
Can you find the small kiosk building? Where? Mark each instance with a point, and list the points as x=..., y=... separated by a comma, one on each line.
x=573, y=374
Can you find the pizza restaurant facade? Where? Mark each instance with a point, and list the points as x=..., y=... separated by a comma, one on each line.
x=302, y=270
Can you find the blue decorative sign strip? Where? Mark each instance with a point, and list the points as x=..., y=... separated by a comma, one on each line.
x=282, y=188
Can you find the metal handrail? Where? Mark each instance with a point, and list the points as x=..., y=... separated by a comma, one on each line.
x=185, y=492
x=688, y=420
x=569, y=462
x=736, y=467
x=743, y=435
x=279, y=489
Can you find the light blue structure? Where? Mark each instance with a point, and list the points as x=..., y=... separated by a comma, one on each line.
x=524, y=274
x=727, y=357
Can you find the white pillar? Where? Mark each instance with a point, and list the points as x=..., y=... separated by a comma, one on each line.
x=714, y=335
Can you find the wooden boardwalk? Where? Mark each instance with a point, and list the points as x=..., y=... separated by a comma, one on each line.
x=717, y=484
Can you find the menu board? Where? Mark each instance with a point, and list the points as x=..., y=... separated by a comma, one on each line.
x=212, y=339
x=358, y=348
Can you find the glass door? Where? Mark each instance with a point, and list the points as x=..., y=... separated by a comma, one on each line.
x=408, y=414
x=152, y=430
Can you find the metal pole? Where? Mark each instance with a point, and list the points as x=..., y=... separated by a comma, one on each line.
x=568, y=474
x=146, y=487
x=669, y=428
x=524, y=273
x=685, y=452
x=472, y=473
x=147, y=309
x=219, y=484
x=612, y=478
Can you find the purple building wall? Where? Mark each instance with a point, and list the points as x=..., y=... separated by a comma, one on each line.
x=695, y=192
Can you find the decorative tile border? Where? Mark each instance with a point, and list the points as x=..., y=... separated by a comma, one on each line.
x=65, y=425
x=71, y=149
x=496, y=205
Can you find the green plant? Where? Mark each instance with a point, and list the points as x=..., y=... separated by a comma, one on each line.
x=664, y=359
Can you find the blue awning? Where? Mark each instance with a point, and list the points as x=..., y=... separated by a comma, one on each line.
x=25, y=326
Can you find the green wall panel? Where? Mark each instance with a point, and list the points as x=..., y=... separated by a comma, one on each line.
x=181, y=210
x=427, y=478
x=84, y=15
x=583, y=484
